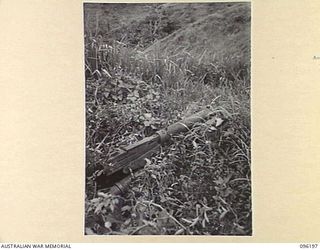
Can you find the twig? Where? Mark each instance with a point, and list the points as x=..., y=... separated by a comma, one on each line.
x=95, y=95
x=101, y=143
x=169, y=215
x=239, y=179
x=117, y=131
x=139, y=228
x=95, y=189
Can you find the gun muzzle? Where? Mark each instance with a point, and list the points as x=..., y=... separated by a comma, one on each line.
x=121, y=186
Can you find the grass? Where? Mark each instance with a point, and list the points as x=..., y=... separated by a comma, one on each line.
x=200, y=184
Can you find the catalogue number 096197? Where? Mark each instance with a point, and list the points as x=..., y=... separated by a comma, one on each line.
x=308, y=246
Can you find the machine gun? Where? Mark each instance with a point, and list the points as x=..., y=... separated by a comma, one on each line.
x=123, y=162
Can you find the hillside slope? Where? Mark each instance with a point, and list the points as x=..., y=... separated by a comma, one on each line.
x=218, y=36
x=142, y=24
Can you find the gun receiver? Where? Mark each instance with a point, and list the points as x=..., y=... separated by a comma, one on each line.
x=132, y=157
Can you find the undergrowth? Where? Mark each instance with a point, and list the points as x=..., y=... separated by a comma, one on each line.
x=201, y=183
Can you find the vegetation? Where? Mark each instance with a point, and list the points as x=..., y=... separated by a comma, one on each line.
x=148, y=66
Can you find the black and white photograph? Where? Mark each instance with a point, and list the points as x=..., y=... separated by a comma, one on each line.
x=168, y=118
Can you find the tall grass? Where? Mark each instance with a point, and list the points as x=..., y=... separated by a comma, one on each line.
x=172, y=71
x=186, y=83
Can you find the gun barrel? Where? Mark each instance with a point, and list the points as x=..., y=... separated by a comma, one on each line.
x=183, y=125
